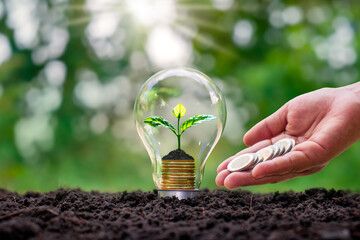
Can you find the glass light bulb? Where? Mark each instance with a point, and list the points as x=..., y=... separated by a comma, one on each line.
x=180, y=115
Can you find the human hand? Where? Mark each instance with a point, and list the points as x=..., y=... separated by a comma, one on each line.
x=323, y=124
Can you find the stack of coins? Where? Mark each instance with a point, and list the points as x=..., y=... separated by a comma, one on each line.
x=247, y=161
x=178, y=174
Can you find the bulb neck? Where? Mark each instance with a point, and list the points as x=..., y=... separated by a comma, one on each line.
x=180, y=194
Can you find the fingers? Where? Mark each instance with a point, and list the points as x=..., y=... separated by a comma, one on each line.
x=267, y=128
x=221, y=177
x=251, y=149
x=303, y=157
x=292, y=162
x=242, y=179
x=224, y=164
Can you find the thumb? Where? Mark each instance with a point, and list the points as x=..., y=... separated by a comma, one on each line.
x=268, y=128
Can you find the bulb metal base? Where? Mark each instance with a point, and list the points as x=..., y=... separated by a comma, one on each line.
x=180, y=194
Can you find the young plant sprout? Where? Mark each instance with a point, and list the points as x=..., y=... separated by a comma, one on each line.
x=178, y=111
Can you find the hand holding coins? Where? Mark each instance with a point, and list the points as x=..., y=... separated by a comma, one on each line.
x=324, y=123
x=247, y=161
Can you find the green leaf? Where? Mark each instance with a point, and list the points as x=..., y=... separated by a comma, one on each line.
x=159, y=122
x=179, y=111
x=195, y=120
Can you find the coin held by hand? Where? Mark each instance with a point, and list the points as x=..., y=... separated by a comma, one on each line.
x=242, y=162
x=248, y=161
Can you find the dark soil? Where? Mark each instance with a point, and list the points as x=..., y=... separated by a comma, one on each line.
x=177, y=154
x=74, y=214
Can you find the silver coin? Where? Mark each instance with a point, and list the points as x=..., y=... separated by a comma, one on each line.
x=242, y=162
x=281, y=147
x=287, y=144
x=277, y=151
x=293, y=143
x=266, y=153
x=260, y=157
x=255, y=161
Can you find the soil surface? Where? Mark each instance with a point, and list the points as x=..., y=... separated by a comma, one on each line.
x=219, y=214
x=177, y=154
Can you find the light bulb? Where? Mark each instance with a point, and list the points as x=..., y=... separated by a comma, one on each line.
x=180, y=115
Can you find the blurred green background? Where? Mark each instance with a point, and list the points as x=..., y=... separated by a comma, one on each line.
x=70, y=71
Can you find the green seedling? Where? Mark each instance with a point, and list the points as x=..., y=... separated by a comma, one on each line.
x=178, y=111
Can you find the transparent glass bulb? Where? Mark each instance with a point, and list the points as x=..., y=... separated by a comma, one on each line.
x=178, y=161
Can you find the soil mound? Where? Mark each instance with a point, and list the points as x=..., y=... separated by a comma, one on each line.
x=219, y=214
x=177, y=154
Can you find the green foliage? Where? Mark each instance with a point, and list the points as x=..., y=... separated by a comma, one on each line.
x=50, y=138
x=163, y=93
x=195, y=120
x=159, y=122
x=178, y=112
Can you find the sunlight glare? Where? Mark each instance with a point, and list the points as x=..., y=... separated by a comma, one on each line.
x=166, y=48
x=151, y=12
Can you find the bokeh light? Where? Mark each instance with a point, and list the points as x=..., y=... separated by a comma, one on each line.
x=70, y=71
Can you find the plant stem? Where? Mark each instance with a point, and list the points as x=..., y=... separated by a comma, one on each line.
x=178, y=133
x=178, y=136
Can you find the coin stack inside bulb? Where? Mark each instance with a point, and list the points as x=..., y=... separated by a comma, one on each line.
x=178, y=174
x=248, y=161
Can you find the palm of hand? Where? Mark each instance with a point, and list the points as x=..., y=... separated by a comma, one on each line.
x=323, y=123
